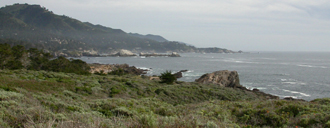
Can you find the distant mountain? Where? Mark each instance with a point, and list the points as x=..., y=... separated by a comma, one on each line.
x=150, y=36
x=38, y=27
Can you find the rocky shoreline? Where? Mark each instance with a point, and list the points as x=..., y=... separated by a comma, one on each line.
x=174, y=54
x=108, y=68
x=222, y=78
x=128, y=53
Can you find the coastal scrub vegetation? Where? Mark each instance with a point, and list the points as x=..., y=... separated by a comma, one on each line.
x=30, y=98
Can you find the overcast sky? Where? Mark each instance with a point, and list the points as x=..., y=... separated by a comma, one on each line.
x=248, y=25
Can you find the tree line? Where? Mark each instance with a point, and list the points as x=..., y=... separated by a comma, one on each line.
x=18, y=57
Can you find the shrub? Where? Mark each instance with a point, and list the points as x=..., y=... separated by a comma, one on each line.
x=122, y=111
x=114, y=91
x=167, y=77
x=61, y=64
x=211, y=124
x=14, y=64
x=148, y=121
x=293, y=110
x=118, y=72
x=84, y=90
x=101, y=73
x=324, y=101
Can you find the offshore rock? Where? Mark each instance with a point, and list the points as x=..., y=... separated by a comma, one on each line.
x=223, y=78
x=174, y=54
x=179, y=74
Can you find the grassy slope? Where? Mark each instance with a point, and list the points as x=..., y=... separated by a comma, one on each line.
x=49, y=99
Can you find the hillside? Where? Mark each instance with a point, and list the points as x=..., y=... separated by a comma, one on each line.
x=58, y=33
x=150, y=36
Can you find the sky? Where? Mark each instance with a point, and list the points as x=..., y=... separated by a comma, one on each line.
x=248, y=25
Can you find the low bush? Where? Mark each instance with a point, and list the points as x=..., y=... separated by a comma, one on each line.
x=118, y=72
x=167, y=77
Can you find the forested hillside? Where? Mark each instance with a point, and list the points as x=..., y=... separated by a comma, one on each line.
x=59, y=33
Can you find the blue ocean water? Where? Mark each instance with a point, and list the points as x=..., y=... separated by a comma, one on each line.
x=303, y=75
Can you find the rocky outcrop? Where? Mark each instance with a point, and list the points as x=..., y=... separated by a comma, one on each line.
x=174, y=54
x=107, y=68
x=132, y=69
x=124, y=53
x=258, y=92
x=179, y=74
x=227, y=78
x=292, y=99
x=223, y=78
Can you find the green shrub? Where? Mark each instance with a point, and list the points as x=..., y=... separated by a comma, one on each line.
x=324, y=101
x=7, y=95
x=122, y=111
x=114, y=91
x=167, y=77
x=148, y=121
x=211, y=124
x=163, y=111
x=315, y=119
x=101, y=73
x=262, y=117
x=118, y=72
x=61, y=64
x=293, y=110
x=84, y=90
x=14, y=64
x=72, y=108
x=6, y=88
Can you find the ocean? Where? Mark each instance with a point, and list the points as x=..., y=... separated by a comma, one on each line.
x=302, y=75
